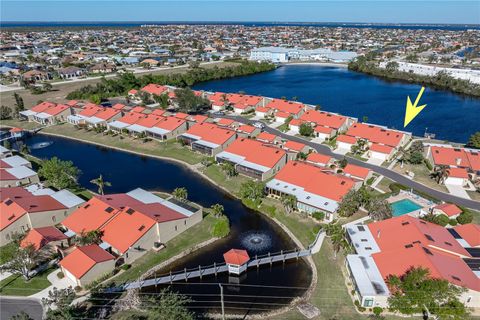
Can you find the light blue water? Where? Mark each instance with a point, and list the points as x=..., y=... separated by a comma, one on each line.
x=403, y=207
x=450, y=116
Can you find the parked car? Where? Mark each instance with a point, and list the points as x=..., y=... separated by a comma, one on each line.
x=259, y=125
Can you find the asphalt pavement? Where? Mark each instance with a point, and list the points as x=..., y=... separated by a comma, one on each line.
x=393, y=175
x=10, y=306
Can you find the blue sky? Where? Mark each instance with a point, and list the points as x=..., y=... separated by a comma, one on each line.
x=386, y=11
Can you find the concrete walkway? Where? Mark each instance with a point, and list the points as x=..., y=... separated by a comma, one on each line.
x=55, y=282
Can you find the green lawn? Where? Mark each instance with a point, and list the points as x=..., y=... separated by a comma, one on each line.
x=15, y=285
x=7, y=251
x=232, y=184
x=174, y=247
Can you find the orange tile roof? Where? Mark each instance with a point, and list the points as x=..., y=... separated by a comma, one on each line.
x=283, y=115
x=170, y=123
x=294, y=146
x=246, y=128
x=256, y=152
x=198, y=118
x=91, y=216
x=225, y=122
x=158, y=112
x=324, y=119
x=289, y=107
x=356, y=171
x=181, y=115
x=470, y=233
x=43, y=106
x=449, y=209
x=131, y=117
x=263, y=109
x=107, y=114
x=236, y=257
x=296, y=122
x=346, y=139
x=217, y=98
x=315, y=180
x=266, y=137
x=138, y=109
x=458, y=173
x=118, y=106
x=126, y=229
x=318, y=158
x=375, y=134
x=380, y=148
x=149, y=121
x=211, y=133
x=10, y=212
x=155, y=89
x=321, y=129
x=59, y=108
x=90, y=110
x=39, y=237
x=456, y=157
x=82, y=259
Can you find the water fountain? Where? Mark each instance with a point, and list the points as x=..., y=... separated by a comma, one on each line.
x=256, y=241
x=41, y=145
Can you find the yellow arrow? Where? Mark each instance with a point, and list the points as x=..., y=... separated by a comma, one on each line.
x=412, y=110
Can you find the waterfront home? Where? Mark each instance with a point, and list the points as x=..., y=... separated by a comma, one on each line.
x=282, y=117
x=263, y=112
x=314, y=188
x=266, y=137
x=345, y=143
x=218, y=100
x=25, y=208
x=208, y=138
x=393, y=246
x=293, y=148
x=247, y=131
x=70, y=72
x=457, y=177
x=133, y=222
x=86, y=264
x=46, y=239
x=53, y=114
x=454, y=157
x=448, y=209
x=4, y=152
x=167, y=128
x=244, y=103
x=293, y=109
x=125, y=121
x=326, y=125
x=382, y=142
x=228, y=123
x=89, y=110
x=319, y=159
x=103, y=117
x=154, y=89
x=143, y=124
x=41, y=107
x=253, y=158
x=16, y=171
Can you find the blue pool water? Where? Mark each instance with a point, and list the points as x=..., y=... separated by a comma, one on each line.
x=403, y=207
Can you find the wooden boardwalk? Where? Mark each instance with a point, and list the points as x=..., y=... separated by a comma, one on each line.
x=214, y=269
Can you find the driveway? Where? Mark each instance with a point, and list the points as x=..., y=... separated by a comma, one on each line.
x=375, y=161
x=341, y=151
x=395, y=176
x=457, y=190
x=55, y=282
x=10, y=306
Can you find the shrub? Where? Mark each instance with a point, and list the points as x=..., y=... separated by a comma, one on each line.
x=221, y=228
x=441, y=219
x=396, y=187
x=452, y=222
x=377, y=310
x=465, y=217
x=428, y=164
x=78, y=288
x=60, y=275
x=318, y=215
x=126, y=266
x=359, y=307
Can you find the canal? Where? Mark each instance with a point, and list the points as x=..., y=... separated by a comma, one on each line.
x=249, y=229
x=450, y=116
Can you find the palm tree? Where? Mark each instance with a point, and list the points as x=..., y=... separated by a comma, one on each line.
x=101, y=184
x=336, y=234
x=440, y=173
x=289, y=203
x=217, y=210
x=180, y=193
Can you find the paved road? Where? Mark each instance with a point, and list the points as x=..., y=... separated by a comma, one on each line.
x=395, y=176
x=10, y=306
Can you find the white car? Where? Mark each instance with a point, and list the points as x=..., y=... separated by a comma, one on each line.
x=259, y=125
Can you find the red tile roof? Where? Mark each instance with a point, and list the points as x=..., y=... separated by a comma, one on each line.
x=289, y=107
x=470, y=233
x=138, y=109
x=318, y=158
x=449, y=209
x=149, y=121
x=376, y=134
x=90, y=110
x=456, y=157
x=356, y=171
x=380, y=148
x=118, y=106
x=43, y=106
x=346, y=139
x=256, y=152
x=170, y=123
x=82, y=259
x=181, y=115
x=321, y=129
x=91, y=216
x=158, y=112
x=224, y=122
x=154, y=89
x=59, y=108
x=39, y=237
x=236, y=257
x=315, y=180
x=217, y=98
x=246, y=128
x=458, y=173
x=211, y=133
x=10, y=212
x=294, y=146
x=324, y=119
x=266, y=137
x=107, y=114
x=131, y=117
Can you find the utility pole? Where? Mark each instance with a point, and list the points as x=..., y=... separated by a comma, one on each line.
x=221, y=300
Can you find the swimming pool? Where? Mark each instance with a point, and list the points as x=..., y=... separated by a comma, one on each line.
x=404, y=206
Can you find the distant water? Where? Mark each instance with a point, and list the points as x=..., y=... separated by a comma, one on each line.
x=450, y=116
x=127, y=24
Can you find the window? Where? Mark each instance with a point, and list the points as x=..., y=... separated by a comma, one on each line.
x=429, y=237
x=109, y=210
x=409, y=246
x=185, y=222
x=54, y=219
x=65, y=213
x=368, y=302
x=364, y=240
x=176, y=228
x=368, y=248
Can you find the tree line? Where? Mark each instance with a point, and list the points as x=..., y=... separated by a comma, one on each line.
x=119, y=86
x=441, y=80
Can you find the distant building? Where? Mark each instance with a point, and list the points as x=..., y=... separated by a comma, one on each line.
x=281, y=54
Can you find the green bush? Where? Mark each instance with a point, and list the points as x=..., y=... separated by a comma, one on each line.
x=465, y=217
x=441, y=219
x=377, y=310
x=359, y=307
x=396, y=187
x=126, y=266
x=428, y=164
x=60, y=275
x=453, y=222
x=318, y=215
x=370, y=181
x=78, y=288
x=221, y=228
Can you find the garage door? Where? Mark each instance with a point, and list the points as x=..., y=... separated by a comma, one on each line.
x=70, y=276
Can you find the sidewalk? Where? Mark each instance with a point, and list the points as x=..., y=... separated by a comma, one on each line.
x=55, y=282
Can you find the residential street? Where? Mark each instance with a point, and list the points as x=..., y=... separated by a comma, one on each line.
x=376, y=168
x=10, y=306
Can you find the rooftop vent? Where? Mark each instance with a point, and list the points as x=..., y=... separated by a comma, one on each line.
x=427, y=251
x=409, y=245
x=405, y=223
x=429, y=237
x=141, y=228
x=448, y=243
x=109, y=210
x=8, y=202
x=11, y=217
x=456, y=278
x=87, y=205
x=130, y=211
